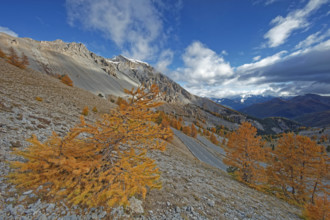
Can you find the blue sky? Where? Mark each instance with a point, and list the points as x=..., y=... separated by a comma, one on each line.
x=212, y=48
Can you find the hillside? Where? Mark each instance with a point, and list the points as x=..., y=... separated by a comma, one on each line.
x=191, y=189
x=309, y=110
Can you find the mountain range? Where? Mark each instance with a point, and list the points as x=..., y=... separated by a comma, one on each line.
x=309, y=110
x=240, y=102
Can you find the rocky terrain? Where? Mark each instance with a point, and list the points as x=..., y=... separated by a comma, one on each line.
x=109, y=77
x=191, y=188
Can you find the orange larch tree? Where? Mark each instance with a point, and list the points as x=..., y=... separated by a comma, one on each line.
x=298, y=167
x=186, y=130
x=67, y=80
x=245, y=153
x=319, y=210
x=193, y=131
x=101, y=164
x=213, y=139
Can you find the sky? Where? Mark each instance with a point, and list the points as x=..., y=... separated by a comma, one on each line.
x=213, y=48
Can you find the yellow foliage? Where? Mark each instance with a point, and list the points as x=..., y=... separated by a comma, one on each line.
x=320, y=210
x=101, y=164
x=296, y=163
x=66, y=80
x=39, y=99
x=94, y=109
x=2, y=54
x=16, y=61
x=85, y=111
x=245, y=153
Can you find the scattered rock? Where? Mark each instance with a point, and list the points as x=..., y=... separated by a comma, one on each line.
x=177, y=209
x=135, y=205
x=50, y=207
x=210, y=202
x=28, y=192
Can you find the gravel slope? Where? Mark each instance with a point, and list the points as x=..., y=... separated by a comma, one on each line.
x=191, y=189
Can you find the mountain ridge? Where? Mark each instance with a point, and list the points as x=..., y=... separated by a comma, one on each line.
x=301, y=108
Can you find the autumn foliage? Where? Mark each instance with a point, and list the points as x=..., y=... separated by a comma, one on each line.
x=66, y=80
x=213, y=139
x=319, y=210
x=244, y=153
x=101, y=164
x=15, y=60
x=193, y=131
x=298, y=167
x=85, y=111
x=2, y=54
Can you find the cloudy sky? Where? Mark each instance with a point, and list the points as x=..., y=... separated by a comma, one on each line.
x=213, y=48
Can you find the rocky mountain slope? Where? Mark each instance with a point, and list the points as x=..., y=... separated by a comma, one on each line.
x=191, y=189
x=309, y=110
x=109, y=77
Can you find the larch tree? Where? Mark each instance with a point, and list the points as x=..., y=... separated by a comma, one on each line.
x=101, y=164
x=67, y=80
x=193, y=131
x=13, y=57
x=319, y=210
x=186, y=130
x=298, y=167
x=213, y=139
x=245, y=153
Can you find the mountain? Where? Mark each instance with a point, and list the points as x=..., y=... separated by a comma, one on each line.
x=108, y=77
x=309, y=109
x=240, y=102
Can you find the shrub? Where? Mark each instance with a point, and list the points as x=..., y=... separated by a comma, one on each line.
x=39, y=99
x=66, y=80
x=94, y=109
x=14, y=59
x=85, y=111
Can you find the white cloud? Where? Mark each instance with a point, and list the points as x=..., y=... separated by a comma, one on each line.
x=313, y=39
x=8, y=31
x=202, y=65
x=256, y=58
x=303, y=71
x=283, y=27
x=257, y=66
x=164, y=60
x=134, y=26
x=268, y=2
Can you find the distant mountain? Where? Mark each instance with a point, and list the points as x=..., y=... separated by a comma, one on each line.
x=239, y=102
x=309, y=109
